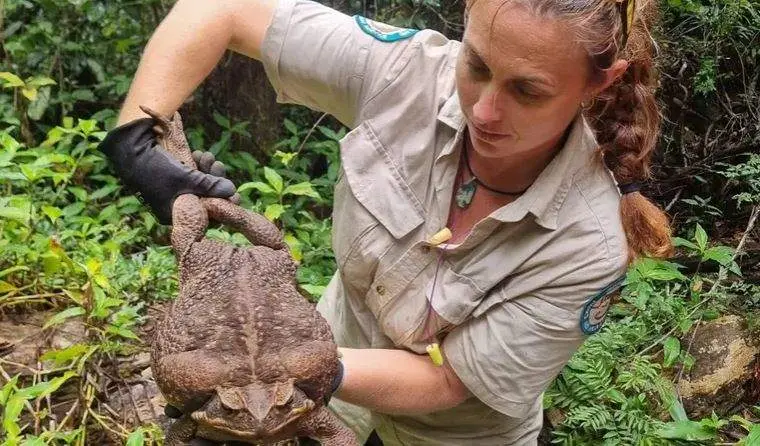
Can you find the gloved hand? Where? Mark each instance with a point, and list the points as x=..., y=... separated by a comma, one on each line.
x=149, y=170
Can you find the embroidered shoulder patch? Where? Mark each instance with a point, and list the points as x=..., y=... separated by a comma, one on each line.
x=595, y=310
x=383, y=32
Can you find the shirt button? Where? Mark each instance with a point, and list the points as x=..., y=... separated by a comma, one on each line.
x=425, y=249
x=380, y=290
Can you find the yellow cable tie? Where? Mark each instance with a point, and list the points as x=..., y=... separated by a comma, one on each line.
x=440, y=237
x=434, y=350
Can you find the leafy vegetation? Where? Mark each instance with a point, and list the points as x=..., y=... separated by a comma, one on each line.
x=82, y=251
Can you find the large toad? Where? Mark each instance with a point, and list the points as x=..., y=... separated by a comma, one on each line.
x=241, y=353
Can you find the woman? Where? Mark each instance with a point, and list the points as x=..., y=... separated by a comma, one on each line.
x=488, y=200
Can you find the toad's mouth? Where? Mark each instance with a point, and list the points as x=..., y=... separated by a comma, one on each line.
x=253, y=433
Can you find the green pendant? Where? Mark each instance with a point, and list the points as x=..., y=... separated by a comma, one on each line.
x=465, y=193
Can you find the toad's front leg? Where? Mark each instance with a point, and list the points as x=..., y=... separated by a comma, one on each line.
x=181, y=432
x=326, y=427
x=189, y=379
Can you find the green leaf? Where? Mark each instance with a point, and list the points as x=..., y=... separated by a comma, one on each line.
x=274, y=179
x=5, y=287
x=45, y=388
x=20, y=212
x=73, y=209
x=7, y=389
x=685, y=325
x=753, y=438
x=678, y=241
x=258, y=185
x=221, y=120
x=11, y=80
x=87, y=126
x=700, y=236
x=123, y=332
x=685, y=430
x=12, y=410
x=314, y=290
x=83, y=95
x=295, y=246
x=33, y=441
x=53, y=136
x=40, y=81
x=274, y=211
x=104, y=191
x=58, y=318
x=29, y=93
x=51, y=263
x=677, y=411
x=615, y=395
x=52, y=212
x=136, y=438
x=672, y=349
x=329, y=133
x=79, y=193
x=39, y=104
x=290, y=126
x=304, y=188
x=65, y=355
x=721, y=254
x=13, y=269
x=285, y=157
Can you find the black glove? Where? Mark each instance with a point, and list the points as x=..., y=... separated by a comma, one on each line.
x=145, y=167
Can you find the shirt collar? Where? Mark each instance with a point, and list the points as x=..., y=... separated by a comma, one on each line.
x=545, y=197
x=451, y=113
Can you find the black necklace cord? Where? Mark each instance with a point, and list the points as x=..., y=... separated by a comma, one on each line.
x=479, y=182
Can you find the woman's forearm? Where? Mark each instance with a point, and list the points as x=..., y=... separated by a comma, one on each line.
x=398, y=382
x=187, y=45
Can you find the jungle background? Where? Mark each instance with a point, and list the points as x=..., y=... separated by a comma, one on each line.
x=85, y=270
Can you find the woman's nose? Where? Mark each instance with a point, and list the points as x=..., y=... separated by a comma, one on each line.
x=487, y=109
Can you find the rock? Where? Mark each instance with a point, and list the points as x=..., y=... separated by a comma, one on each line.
x=139, y=404
x=22, y=339
x=725, y=353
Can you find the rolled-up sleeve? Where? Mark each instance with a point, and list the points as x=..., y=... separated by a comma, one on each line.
x=320, y=58
x=510, y=354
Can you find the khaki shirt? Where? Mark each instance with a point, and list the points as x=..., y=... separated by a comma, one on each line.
x=515, y=299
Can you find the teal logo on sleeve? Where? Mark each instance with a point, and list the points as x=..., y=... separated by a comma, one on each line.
x=383, y=32
x=595, y=310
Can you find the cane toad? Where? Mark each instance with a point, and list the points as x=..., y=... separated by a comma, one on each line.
x=240, y=352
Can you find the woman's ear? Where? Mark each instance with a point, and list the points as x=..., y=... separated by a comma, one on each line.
x=610, y=75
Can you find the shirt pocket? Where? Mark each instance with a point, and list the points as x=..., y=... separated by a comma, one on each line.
x=374, y=206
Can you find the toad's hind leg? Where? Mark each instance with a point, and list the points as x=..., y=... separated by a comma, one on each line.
x=190, y=221
x=255, y=227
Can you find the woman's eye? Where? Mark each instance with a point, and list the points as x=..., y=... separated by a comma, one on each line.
x=527, y=93
x=479, y=70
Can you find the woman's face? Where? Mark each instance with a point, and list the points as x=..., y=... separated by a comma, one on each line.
x=520, y=79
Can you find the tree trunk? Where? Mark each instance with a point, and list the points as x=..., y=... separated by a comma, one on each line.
x=239, y=90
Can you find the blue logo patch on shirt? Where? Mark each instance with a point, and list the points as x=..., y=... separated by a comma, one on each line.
x=382, y=31
x=595, y=310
